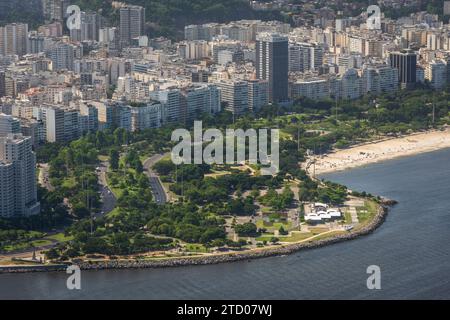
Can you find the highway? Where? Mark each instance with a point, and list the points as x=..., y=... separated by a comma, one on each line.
x=108, y=198
x=155, y=184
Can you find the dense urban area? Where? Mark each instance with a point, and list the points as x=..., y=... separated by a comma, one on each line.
x=87, y=111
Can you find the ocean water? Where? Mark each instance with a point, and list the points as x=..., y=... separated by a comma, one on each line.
x=411, y=248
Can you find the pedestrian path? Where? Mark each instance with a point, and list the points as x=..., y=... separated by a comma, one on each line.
x=354, y=214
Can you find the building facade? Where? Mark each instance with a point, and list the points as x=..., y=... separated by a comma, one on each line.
x=18, y=196
x=272, y=64
x=132, y=24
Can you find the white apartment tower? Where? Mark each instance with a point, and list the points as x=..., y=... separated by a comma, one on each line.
x=235, y=95
x=436, y=74
x=258, y=94
x=170, y=100
x=198, y=99
x=379, y=78
x=304, y=57
x=18, y=193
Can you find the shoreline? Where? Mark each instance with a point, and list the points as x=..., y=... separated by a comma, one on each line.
x=381, y=150
x=338, y=160
x=273, y=251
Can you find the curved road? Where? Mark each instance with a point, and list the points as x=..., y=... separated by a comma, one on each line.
x=108, y=198
x=155, y=183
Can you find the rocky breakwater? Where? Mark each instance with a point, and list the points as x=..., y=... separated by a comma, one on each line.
x=32, y=268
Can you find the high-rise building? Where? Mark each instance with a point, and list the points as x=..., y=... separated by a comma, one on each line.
x=72, y=128
x=13, y=39
x=349, y=86
x=15, y=84
x=89, y=27
x=2, y=84
x=170, y=100
x=198, y=99
x=9, y=124
x=272, y=63
x=194, y=50
x=62, y=56
x=227, y=56
x=379, y=78
x=18, y=192
x=312, y=88
x=53, y=119
x=35, y=42
x=55, y=10
x=436, y=74
x=132, y=24
x=112, y=115
x=146, y=116
x=305, y=57
x=201, y=32
x=32, y=128
x=88, y=118
x=258, y=94
x=235, y=95
x=406, y=64
x=110, y=37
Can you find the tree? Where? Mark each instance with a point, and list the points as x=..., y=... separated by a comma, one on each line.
x=247, y=229
x=164, y=167
x=282, y=231
x=114, y=159
x=96, y=245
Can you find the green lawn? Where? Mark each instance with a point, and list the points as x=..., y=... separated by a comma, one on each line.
x=348, y=217
x=60, y=237
x=69, y=183
x=194, y=247
x=41, y=242
x=294, y=237
x=16, y=246
x=367, y=212
x=271, y=226
x=265, y=237
x=114, y=212
x=318, y=230
x=331, y=234
x=103, y=158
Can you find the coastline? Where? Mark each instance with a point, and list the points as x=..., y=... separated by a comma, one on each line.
x=339, y=160
x=381, y=150
x=272, y=251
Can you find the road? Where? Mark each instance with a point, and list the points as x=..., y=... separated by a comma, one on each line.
x=155, y=183
x=107, y=196
x=44, y=179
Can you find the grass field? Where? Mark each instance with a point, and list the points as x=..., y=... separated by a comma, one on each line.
x=103, y=158
x=193, y=247
x=271, y=226
x=60, y=237
x=295, y=236
x=41, y=243
x=366, y=213
x=318, y=230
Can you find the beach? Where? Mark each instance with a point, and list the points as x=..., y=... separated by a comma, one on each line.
x=381, y=150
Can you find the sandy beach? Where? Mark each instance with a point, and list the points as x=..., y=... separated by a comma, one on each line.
x=386, y=149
